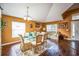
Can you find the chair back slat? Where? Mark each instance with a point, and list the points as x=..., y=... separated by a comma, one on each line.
x=39, y=39
x=21, y=38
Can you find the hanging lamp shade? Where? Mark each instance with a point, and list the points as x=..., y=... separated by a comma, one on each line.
x=27, y=17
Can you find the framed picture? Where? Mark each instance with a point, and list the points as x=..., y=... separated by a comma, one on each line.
x=63, y=25
x=31, y=26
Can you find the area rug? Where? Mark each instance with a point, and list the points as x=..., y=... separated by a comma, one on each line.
x=15, y=50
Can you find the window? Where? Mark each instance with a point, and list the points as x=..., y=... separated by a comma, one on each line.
x=51, y=27
x=75, y=16
x=18, y=28
x=73, y=29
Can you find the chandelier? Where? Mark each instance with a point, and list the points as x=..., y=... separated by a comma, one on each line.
x=27, y=17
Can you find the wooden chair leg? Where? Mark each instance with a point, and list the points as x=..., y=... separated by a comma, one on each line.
x=45, y=45
x=37, y=49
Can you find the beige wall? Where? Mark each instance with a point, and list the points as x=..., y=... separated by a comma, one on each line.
x=63, y=30
x=7, y=31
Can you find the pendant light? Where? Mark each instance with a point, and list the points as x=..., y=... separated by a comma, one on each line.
x=27, y=17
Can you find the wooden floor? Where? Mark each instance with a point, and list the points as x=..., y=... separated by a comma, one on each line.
x=66, y=48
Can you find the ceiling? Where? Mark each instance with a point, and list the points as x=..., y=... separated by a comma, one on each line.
x=40, y=12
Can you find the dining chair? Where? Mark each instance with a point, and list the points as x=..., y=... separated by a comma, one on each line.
x=25, y=46
x=45, y=40
x=38, y=43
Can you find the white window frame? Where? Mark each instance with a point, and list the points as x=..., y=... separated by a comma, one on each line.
x=17, y=28
x=51, y=27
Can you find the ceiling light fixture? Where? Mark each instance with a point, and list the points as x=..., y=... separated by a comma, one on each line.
x=27, y=17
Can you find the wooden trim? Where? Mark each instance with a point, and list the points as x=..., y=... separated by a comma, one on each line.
x=11, y=43
x=70, y=12
x=57, y=22
x=74, y=20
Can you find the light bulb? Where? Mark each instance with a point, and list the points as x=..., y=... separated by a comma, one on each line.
x=29, y=18
x=24, y=18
